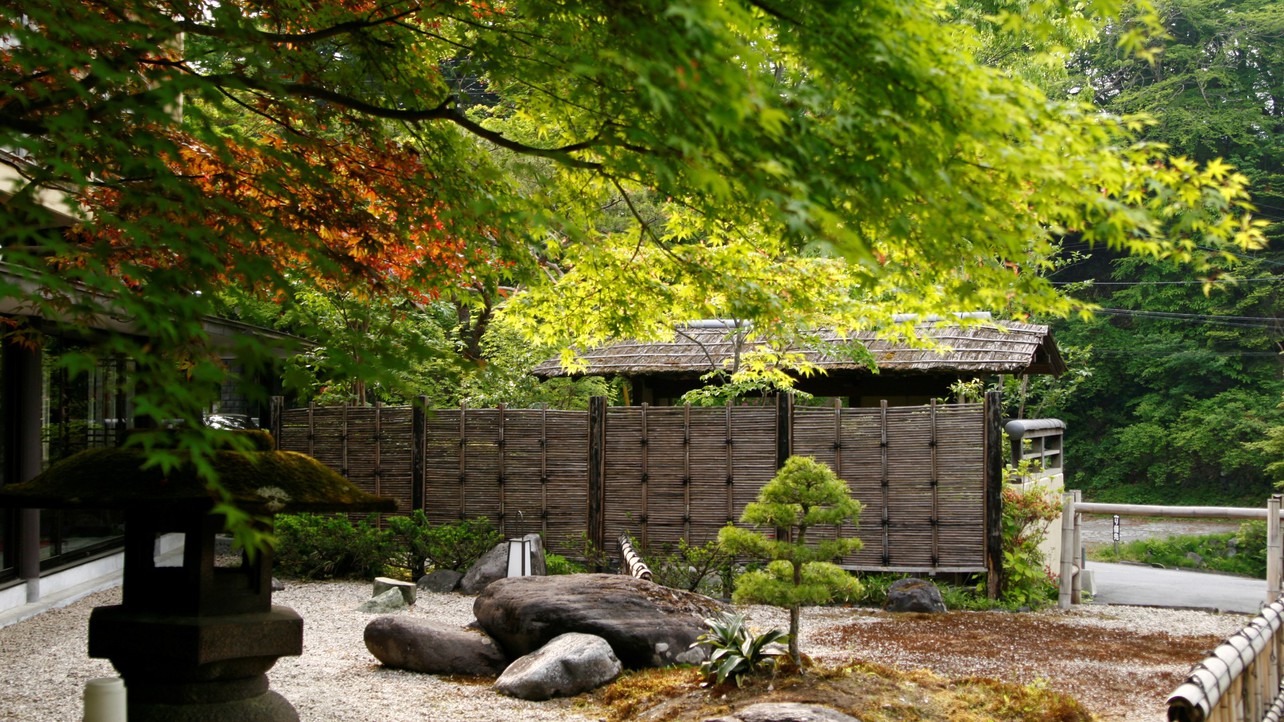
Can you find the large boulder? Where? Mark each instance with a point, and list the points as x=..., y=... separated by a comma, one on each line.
x=493, y=565
x=785, y=712
x=440, y=581
x=646, y=624
x=422, y=646
x=914, y=595
x=566, y=666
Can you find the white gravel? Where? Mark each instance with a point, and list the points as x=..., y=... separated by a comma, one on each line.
x=44, y=663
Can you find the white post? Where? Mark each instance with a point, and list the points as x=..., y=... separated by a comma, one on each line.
x=1274, y=549
x=105, y=700
x=1068, y=553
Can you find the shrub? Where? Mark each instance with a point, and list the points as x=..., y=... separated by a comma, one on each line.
x=734, y=650
x=316, y=546
x=707, y=568
x=416, y=543
x=1026, y=516
x=803, y=495
x=558, y=564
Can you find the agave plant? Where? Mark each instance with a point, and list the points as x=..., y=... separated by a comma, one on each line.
x=734, y=650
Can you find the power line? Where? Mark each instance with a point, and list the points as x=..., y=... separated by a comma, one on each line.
x=1095, y=282
x=1225, y=321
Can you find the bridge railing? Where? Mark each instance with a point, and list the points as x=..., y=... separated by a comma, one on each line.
x=1073, y=510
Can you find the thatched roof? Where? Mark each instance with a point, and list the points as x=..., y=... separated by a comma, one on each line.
x=993, y=347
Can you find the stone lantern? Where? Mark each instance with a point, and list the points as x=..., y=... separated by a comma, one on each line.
x=194, y=642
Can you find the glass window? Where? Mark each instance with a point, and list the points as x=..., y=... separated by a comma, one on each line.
x=81, y=411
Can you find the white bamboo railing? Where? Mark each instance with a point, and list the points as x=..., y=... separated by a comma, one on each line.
x=632, y=561
x=1240, y=681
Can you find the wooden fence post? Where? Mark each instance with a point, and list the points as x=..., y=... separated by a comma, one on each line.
x=1274, y=549
x=1076, y=547
x=418, y=453
x=784, y=428
x=994, y=493
x=597, y=475
x=276, y=410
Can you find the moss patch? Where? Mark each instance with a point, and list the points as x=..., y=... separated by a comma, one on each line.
x=869, y=692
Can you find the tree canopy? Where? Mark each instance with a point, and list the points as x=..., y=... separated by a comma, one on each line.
x=412, y=151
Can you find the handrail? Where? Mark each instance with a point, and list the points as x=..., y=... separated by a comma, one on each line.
x=1240, y=680
x=632, y=561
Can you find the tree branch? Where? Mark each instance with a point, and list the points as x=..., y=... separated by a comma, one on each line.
x=347, y=28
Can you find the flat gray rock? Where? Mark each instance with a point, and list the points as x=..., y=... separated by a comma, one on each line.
x=422, y=646
x=568, y=665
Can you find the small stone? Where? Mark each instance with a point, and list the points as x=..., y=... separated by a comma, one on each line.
x=566, y=666
x=386, y=603
x=914, y=595
x=406, y=589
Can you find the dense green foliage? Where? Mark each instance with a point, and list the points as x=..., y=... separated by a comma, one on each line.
x=1242, y=552
x=331, y=546
x=419, y=544
x=734, y=650
x=1179, y=377
x=317, y=546
x=803, y=495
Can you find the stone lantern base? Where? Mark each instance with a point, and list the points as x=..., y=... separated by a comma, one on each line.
x=198, y=669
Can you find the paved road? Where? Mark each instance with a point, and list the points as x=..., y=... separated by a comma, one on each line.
x=1146, y=586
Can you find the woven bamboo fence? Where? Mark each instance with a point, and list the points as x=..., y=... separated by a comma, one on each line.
x=668, y=473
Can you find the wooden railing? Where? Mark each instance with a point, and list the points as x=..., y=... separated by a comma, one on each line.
x=1240, y=680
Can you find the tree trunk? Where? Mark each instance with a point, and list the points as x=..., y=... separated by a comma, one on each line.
x=794, y=614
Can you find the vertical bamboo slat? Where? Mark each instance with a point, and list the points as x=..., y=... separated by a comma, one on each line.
x=936, y=499
x=686, y=472
x=463, y=460
x=543, y=471
x=646, y=480
x=504, y=521
x=729, y=466
x=886, y=482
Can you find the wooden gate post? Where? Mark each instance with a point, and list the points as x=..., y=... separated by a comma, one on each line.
x=276, y=412
x=597, y=476
x=993, y=493
x=784, y=428
x=418, y=453
x=1274, y=549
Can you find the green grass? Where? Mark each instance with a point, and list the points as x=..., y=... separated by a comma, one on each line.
x=1242, y=552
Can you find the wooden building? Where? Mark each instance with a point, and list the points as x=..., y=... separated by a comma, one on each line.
x=660, y=372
